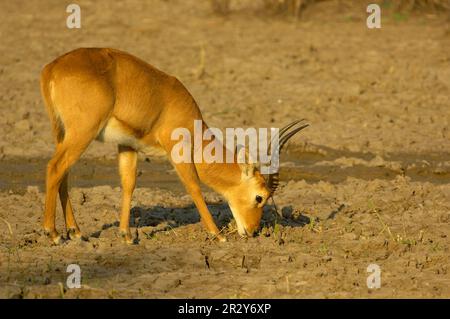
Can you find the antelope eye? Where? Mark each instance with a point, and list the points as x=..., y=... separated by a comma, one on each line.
x=259, y=199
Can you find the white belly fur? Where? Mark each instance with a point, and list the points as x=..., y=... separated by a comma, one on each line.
x=113, y=132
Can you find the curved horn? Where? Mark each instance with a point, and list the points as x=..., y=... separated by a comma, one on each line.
x=285, y=134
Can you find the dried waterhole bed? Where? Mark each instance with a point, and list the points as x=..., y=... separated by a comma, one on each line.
x=312, y=164
x=329, y=233
x=389, y=98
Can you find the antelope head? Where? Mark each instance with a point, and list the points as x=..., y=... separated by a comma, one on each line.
x=248, y=198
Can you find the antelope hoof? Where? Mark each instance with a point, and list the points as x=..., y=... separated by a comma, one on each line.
x=126, y=237
x=73, y=233
x=221, y=238
x=58, y=240
x=54, y=236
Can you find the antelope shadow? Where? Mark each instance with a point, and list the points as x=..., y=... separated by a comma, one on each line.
x=158, y=218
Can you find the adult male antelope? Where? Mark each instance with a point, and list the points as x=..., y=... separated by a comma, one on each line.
x=112, y=96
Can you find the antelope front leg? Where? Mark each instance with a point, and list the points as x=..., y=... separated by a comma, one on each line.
x=189, y=177
x=127, y=170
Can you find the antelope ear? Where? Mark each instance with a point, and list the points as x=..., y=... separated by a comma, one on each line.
x=246, y=163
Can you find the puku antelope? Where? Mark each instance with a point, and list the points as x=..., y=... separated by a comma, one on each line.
x=112, y=96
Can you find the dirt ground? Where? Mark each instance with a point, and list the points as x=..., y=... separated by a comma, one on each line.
x=367, y=183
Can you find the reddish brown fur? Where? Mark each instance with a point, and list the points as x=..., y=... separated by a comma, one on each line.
x=90, y=91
